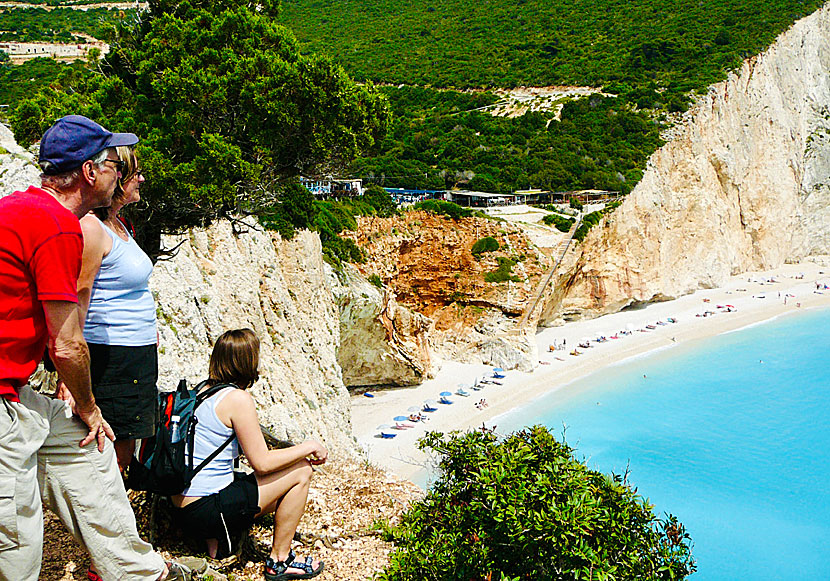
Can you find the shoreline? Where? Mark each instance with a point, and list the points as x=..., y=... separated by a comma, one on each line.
x=756, y=300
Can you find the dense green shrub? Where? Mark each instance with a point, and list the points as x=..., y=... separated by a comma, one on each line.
x=672, y=44
x=375, y=280
x=444, y=208
x=380, y=200
x=588, y=222
x=561, y=224
x=575, y=204
x=503, y=273
x=298, y=210
x=486, y=244
x=525, y=508
x=442, y=142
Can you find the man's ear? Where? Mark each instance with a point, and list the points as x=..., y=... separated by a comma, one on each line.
x=88, y=170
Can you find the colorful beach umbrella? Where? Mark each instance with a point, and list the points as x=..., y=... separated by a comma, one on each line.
x=400, y=418
x=445, y=394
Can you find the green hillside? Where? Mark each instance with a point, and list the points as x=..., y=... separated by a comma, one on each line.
x=681, y=44
x=653, y=55
x=59, y=25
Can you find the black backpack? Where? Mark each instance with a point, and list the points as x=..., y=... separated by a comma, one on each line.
x=163, y=463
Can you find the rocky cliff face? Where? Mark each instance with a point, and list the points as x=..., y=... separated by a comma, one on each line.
x=320, y=330
x=744, y=185
x=426, y=260
x=381, y=342
x=221, y=280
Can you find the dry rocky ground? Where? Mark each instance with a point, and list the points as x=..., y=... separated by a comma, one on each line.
x=345, y=501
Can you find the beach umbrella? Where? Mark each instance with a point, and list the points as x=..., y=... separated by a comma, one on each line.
x=445, y=394
x=498, y=369
x=383, y=427
x=414, y=409
x=430, y=401
x=629, y=326
x=401, y=418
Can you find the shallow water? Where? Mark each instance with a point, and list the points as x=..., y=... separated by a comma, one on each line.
x=730, y=434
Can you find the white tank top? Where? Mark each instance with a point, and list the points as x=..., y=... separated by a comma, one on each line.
x=210, y=434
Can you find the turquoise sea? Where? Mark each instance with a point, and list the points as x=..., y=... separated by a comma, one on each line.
x=730, y=434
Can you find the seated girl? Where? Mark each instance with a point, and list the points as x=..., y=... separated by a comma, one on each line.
x=219, y=503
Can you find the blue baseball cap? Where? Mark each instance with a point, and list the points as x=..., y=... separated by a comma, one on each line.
x=74, y=139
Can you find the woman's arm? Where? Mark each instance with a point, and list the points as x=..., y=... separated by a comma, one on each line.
x=97, y=244
x=239, y=409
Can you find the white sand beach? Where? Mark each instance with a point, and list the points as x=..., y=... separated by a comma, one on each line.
x=756, y=297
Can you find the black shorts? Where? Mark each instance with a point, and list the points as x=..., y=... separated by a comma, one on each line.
x=223, y=515
x=124, y=384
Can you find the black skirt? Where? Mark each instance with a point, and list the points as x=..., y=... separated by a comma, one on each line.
x=124, y=385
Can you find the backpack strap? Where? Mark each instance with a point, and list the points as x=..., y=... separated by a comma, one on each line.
x=201, y=397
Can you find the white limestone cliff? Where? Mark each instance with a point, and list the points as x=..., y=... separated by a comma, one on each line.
x=745, y=185
x=381, y=342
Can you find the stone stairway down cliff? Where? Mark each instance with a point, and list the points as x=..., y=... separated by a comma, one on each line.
x=561, y=251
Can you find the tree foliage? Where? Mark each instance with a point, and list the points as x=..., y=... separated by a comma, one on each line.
x=380, y=200
x=227, y=107
x=525, y=508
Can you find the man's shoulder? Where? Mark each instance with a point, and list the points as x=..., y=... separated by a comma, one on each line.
x=38, y=208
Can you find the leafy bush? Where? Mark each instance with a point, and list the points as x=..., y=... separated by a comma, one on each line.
x=443, y=208
x=380, y=200
x=588, y=222
x=575, y=204
x=486, y=244
x=561, y=224
x=525, y=508
x=375, y=280
x=503, y=273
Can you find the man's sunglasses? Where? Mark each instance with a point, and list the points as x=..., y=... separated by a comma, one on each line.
x=119, y=164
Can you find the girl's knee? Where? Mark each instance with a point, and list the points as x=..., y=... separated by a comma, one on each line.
x=305, y=471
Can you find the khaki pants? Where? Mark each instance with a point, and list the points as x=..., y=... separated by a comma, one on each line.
x=40, y=459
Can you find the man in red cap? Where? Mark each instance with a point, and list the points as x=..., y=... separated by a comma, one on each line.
x=46, y=453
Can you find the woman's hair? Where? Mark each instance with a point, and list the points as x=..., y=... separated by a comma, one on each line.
x=235, y=359
x=126, y=154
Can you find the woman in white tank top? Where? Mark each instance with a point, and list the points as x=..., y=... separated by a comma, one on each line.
x=220, y=503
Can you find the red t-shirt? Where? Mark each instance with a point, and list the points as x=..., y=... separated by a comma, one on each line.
x=40, y=259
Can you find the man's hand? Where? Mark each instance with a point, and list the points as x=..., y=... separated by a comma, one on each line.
x=70, y=355
x=98, y=427
x=64, y=394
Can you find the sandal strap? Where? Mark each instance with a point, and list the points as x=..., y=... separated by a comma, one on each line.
x=304, y=565
x=279, y=567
